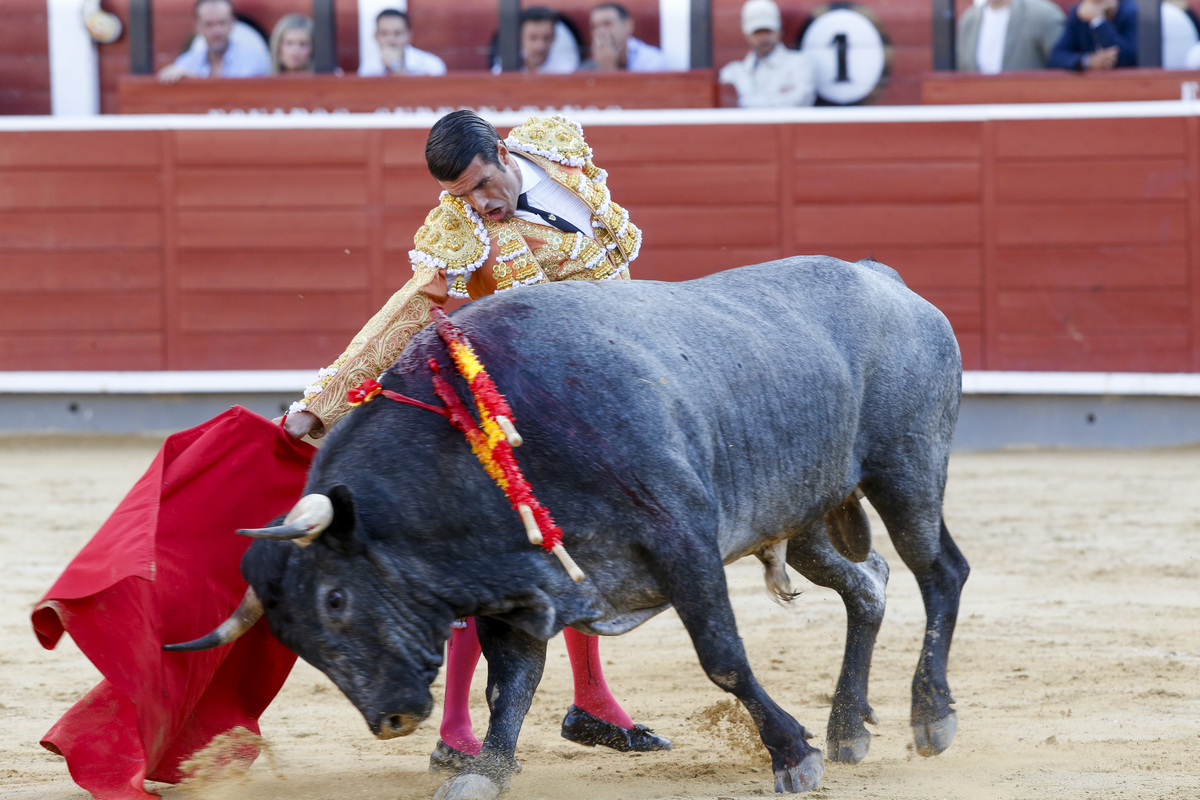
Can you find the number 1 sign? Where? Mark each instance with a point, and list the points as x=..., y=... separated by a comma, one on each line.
x=853, y=55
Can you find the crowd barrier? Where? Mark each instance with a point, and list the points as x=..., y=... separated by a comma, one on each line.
x=1053, y=237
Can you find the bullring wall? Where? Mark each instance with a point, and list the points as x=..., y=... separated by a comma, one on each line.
x=1054, y=238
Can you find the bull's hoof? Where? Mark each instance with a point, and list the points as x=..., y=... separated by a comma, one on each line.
x=445, y=758
x=468, y=786
x=849, y=751
x=582, y=728
x=803, y=777
x=933, y=738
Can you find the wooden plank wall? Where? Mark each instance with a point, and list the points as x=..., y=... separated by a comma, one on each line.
x=1050, y=245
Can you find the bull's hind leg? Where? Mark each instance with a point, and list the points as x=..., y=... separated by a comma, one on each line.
x=694, y=580
x=861, y=586
x=922, y=540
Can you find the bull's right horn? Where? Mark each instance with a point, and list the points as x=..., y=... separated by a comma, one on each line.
x=303, y=523
x=244, y=616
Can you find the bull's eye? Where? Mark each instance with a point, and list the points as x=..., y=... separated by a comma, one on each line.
x=335, y=600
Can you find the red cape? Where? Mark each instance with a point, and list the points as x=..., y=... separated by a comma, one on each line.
x=165, y=567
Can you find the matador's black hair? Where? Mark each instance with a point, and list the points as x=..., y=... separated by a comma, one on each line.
x=454, y=142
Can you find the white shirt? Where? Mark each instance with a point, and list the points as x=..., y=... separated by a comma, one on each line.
x=416, y=62
x=247, y=55
x=563, y=57
x=547, y=193
x=993, y=29
x=784, y=79
x=642, y=57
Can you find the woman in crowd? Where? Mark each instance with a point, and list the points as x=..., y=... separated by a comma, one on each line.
x=292, y=45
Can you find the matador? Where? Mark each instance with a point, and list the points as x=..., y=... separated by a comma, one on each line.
x=530, y=208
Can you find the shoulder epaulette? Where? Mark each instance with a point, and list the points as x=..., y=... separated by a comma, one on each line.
x=453, y=238
x=556, y=138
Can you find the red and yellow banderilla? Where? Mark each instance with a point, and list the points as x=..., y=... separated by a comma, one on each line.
x=492, y=440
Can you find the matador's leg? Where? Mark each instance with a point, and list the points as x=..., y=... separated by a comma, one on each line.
x=458, y=744
x=596, y=718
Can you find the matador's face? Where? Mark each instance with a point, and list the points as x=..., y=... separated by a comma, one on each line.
x=492, y=190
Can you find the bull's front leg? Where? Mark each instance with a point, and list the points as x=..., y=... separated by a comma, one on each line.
x=695, y=582
x=515, y=663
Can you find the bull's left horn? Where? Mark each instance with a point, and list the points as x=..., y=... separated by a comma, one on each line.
x=303, y=523
x=245, y=615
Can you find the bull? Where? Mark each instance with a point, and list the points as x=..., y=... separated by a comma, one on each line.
x=671, y=428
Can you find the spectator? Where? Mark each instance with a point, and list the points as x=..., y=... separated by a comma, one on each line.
x=1180, y=33
x=222, y=47
x=547, y=43
x=614, y=45
x=1004, y=35
x=1100, y=34
x=292, y=45
x=396, y=54
x=770, y=76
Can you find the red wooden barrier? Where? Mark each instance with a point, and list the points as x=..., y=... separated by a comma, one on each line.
x=1055, y=86
x=1050, y=244
x=694, y=89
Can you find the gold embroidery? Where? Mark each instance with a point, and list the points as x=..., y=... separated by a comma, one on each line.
x=375, y=347
x=553, y=135
x=449, y=236
x=526, y=271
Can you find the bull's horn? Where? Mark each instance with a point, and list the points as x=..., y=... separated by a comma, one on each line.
x=245, y=615
x=303, y=523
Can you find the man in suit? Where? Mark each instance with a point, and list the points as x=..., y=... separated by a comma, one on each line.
x=1005, y=35
x=1100, y=34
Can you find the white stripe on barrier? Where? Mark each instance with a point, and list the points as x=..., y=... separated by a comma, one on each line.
x=325, y=120
x=294, y=381
x=165, y=382
x=1176, y=384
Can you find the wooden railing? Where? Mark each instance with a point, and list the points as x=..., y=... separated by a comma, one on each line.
x=694, y=89
x=1057, y=86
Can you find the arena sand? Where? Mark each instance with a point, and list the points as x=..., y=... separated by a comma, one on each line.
x=1076, y=663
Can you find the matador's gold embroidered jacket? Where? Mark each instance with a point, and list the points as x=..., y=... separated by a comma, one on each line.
x=461, y=254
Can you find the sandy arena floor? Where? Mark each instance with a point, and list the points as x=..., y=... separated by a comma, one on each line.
x=1076, y=663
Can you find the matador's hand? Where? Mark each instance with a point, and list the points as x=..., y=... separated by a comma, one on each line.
x=301, y=424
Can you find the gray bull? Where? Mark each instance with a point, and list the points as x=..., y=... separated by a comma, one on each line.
x=670, y=428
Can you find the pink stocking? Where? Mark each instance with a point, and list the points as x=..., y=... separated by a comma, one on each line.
x=591, y=690
x=462, y=654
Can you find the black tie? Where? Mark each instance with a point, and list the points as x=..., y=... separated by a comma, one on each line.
x=558, y=222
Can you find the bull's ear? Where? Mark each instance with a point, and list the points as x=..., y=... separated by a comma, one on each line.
x=533, y=613
x=340, y=535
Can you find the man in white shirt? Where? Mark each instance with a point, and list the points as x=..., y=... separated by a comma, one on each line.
x=547, y=44
x=396, y=55
x=615, y=47
x=770, y=76
x=222, y=47
x=1004, y=35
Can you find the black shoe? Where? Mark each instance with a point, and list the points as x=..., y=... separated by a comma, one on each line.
x=581, y=727
x=445, y=758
